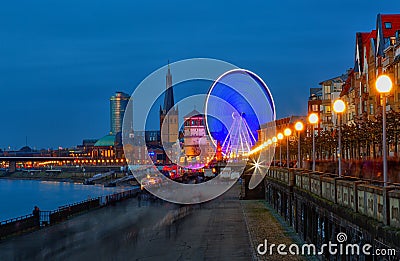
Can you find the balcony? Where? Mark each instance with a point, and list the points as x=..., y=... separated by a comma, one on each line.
x=387, y=61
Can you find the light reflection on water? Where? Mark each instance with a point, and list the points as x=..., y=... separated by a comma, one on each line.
x=18, y=197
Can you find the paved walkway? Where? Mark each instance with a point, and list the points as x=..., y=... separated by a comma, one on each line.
x=215, y=230
x=262, y=225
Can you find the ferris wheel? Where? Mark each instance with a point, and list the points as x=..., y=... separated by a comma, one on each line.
x=237, y=105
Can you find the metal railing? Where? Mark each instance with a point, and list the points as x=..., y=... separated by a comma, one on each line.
x=30, y=222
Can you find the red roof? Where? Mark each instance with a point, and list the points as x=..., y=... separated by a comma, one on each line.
x=366, y=40
x=394, y=19
x=347, y=84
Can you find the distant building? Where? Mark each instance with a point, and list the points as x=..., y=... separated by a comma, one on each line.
x=194, y=130
x=109, y=147
x=85, y=149
x=331, y=90
x=118, y=103
x=270, y=129
x=315, y=105
x=143, y=146
x=169, y=124
x=197, y=145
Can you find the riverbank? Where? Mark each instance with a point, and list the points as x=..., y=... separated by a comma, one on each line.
x=63, y=176
x=222, y=229
x=42, y=219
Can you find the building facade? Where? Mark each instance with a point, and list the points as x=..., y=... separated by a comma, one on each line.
x=118, y=104
x=198, y=147
x=315, y=105
x=331, y=90
x=376, y=52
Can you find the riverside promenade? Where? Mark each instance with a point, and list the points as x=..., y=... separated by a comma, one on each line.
x=223, y=229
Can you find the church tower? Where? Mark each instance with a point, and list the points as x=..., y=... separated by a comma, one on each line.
x=169, y=113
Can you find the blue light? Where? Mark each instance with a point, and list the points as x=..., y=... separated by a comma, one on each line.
x=243, y=92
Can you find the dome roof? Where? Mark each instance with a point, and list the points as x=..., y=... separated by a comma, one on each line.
x=25, y=149
x=108, y=140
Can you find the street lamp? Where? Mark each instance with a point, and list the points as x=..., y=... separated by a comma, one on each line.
x=280, y=137
x=269, y=142
x=313, y=119
x=339, y=107
x=299, y=127
x=287, y=133
x=383, y=86
x=274, y=140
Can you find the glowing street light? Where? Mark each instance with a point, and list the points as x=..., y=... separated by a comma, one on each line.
x=384, y=86
x=299, y=126
x=287, y=132
x=313, y=119
x=280, y=137
x=339, y=106
x=274, y=140
x=269, y=142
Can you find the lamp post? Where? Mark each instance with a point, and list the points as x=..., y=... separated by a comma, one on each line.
x=383, y=86
x=287, y=132
x=313, y=119
x=274, y=140
x=299, y=127
x=269, y=142
x=339, y=107
x=280, y=137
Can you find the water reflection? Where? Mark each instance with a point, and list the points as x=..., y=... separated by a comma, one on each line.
x=17, y=197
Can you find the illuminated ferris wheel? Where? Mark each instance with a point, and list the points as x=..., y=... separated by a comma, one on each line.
x=237, y=104
x=240, y=138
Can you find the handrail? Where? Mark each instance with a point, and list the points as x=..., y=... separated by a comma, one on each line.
x=51, y=217
x=7, y=221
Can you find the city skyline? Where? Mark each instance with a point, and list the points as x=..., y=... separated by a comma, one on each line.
x=63, y=72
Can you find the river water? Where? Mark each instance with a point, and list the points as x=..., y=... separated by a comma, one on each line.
x=18, y=197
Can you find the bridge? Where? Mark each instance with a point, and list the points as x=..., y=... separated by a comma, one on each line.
x=14, y=159
x=319, y=206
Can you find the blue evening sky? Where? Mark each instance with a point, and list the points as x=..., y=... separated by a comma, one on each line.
x=60, y=61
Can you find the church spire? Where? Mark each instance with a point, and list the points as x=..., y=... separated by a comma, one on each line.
x=169, y=93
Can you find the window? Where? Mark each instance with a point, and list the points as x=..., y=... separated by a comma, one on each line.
x=371, y=109
x=388, y=25
x=328, y=118
x=327, y=92
x=327, y=109
x=315, y=107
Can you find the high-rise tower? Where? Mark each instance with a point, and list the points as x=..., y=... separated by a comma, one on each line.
x=118, y=103
x=169, y=113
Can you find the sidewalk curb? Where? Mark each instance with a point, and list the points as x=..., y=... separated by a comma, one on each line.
x=253, y=251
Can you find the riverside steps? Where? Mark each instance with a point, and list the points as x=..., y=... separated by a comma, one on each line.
x=319, y=206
